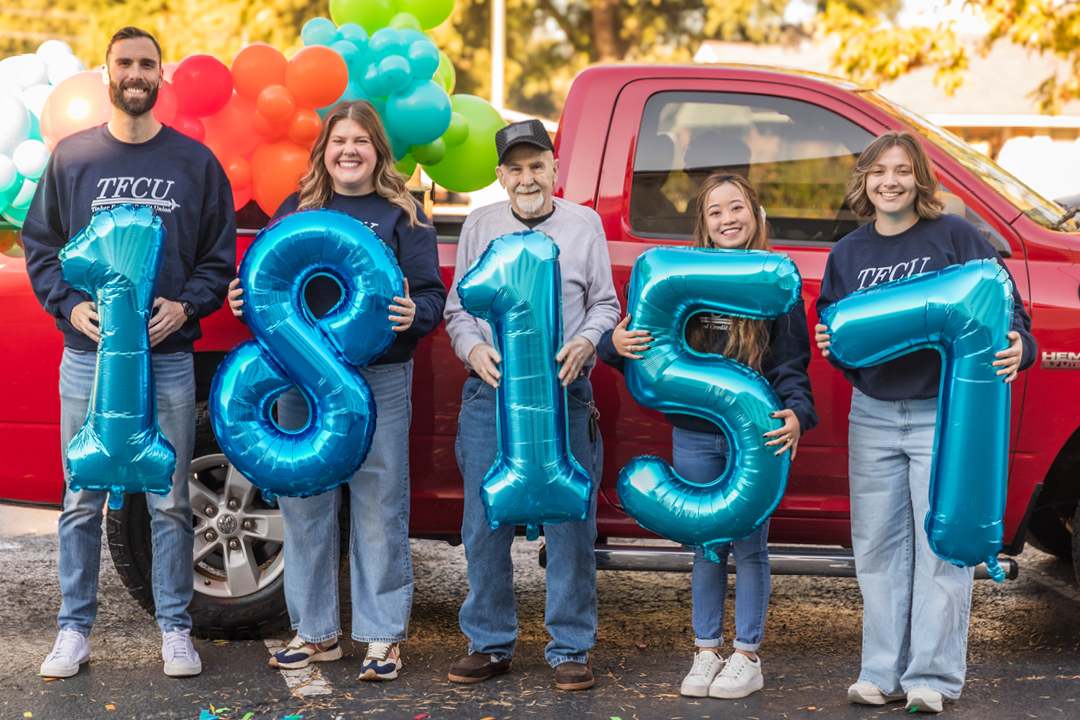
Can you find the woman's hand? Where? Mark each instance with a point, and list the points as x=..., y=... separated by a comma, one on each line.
x=1010, y=359
x=823, y=340
x=405, y=309
x=235, y=303
x=629, y=342
x=788, y=435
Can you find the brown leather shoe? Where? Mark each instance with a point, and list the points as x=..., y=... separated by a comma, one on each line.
x=574, y=676
x=477, y=667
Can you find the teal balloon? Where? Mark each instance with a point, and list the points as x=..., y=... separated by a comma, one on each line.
x=412, y=36
x=384, y=43
x=35, y=128
x=353, y=91
x=371, y=82
x=15, y=216
x=395, y=73
x=398, y=146
x=355, y=34
x=445, y=74
x=470, y=165
x=368, y=14
x=458, y=130
x=429, y=154
x=351, y=55
x=420, y=113
x=319, y=31
x=404, y=20
x=406, y=166
x=423, y=59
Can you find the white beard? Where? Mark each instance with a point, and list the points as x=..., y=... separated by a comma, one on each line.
x=530, y=203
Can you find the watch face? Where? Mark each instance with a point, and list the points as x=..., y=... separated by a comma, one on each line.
x=189, y=309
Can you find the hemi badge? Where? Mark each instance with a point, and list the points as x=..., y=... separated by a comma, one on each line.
x=1061, y=361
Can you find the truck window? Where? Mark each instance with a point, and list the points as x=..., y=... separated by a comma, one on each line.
x=798, y=155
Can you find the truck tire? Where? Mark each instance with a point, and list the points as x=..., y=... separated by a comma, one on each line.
x=1049, y=530
x=239, y=588
x=1076, y=544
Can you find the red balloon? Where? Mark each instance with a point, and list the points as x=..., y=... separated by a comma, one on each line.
x=276, y=103
x=317, y=76
x=231, y=132
x=203, y=85
x=78, y=103
x=276, y=169
x=269, y=130
x=165, y=107
x=304, y=127
x=190, y=126
x=257, y=67
x=167, y=70
x=241, y=198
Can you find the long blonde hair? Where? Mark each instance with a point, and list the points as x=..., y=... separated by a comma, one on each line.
x=317, y=187
x=747, y=339
x=928, y=205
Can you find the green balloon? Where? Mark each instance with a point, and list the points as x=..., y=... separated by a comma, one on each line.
x=471, y=165
x=458, y=130
x=429, y=154
x=405, y=21
x=371, y=15
x=445, y=75
x=15, y=216
x=406, y=166
x=430, y=13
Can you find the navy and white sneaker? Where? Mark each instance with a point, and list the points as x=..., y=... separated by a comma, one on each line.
x=300, y=653
x=383, y=661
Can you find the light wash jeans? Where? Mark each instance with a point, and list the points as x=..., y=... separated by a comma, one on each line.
x=915, y=605
x=489, y=615
x=380, y=562
x=170, y=516
x=701, y=458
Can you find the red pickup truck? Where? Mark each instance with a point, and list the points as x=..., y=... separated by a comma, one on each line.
x=634, y=143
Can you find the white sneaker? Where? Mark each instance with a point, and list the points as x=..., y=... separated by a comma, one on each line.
x=740, y=677
x=925, y=700
x=180, y=657
x=865, y=693
x=706, y=665
x=71, y=650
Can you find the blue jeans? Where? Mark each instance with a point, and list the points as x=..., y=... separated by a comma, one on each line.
x=701, y=458
x=380, y=562
x=489, y=615
x=915, y=605
x=170, y=516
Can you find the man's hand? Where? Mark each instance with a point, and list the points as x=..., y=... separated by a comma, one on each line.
x=405, y=310
x=1010, y=359
x=85, y=319
x=235, y=303
x=573, y=355
x=484, y=360
x=170, y=316
x=823, y=339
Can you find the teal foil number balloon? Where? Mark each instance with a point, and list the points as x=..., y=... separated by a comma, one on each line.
x=964, y=312
x=121, y=449
x=320, y=356
x=668, y=286
x=515, y=286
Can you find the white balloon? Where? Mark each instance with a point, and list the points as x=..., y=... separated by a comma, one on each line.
x=26, y=194
x=14, y=123
x=8, y=173
x=32, y=71
x=62, y=67
x=34, y=98
x=30, y=158
x=8, y=68
x=52, y=49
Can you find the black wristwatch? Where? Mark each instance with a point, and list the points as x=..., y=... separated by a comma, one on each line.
x=189, y=309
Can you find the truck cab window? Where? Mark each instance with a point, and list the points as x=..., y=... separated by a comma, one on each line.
x=798, y=155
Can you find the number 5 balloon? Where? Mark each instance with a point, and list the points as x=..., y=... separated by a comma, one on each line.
x=964, y=312
x=318, y=356
x=667, y=287
x=117, y=259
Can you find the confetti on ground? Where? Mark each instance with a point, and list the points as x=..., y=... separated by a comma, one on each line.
x=487, y=718
x=110, y=707
x=28, y=714
x=204, y=715
x=419, y=717
x=615, y=718
x=641, y=646
x=248, y=716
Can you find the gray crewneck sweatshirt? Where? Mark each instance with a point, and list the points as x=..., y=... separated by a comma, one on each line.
x=589, y=304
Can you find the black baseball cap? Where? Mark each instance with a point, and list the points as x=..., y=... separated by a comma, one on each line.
x=529, y=132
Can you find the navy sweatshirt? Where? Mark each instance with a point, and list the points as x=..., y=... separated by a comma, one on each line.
x=176, y=176
x=417, y=253
x=865, y=258
x=784, y=365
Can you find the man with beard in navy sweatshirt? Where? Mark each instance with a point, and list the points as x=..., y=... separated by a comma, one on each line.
x=133, y=159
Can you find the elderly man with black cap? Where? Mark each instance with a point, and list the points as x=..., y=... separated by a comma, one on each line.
x=527, y=170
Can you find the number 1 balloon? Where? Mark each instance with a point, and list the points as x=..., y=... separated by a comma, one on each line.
x=667, y=287
x=121, y=449
x=535, y=480
x=964, y=312
x=320, y=356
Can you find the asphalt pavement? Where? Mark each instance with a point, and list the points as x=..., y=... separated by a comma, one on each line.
x=1023, y=652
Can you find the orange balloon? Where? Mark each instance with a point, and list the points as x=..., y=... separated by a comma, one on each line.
x=317, y=76
x=269, y=130
x=276, y=103
x=276, y=169
x=304, y=127
x=256, y=67
x=232, y=131
x=78, y=103
x=241, y=198
x=239, y=172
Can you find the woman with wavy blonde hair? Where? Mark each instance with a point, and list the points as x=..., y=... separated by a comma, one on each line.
x=352, y=171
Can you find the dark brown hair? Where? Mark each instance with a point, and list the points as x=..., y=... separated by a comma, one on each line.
x=317, y=187
x=130, y=33
x=928, y=205
x=747, y=339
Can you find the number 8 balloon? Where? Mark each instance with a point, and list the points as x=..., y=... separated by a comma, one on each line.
x=667, y=287
x=964, y=312
x=318, y=356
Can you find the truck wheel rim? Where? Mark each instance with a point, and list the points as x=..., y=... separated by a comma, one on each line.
x=238, y=537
